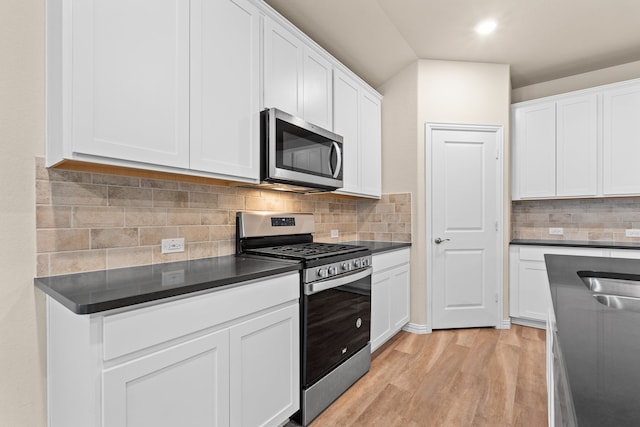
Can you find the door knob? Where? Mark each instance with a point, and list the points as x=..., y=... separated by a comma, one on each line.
x=439, y=240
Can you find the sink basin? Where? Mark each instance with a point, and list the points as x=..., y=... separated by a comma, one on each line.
x=613, y=284
x=616, y=301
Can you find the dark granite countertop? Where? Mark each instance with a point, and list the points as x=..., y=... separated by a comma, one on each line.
x=377, y=247
x=577, y=243
x=600, y=345
x=92, y=292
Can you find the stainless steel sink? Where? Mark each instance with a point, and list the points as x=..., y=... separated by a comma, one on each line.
x=616, y=301
x=626, y=285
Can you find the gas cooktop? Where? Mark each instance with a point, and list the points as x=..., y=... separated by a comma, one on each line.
x=304, y=251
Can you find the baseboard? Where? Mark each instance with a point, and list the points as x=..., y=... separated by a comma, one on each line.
x=505, y=324
x=416, y=328
x=530, y=323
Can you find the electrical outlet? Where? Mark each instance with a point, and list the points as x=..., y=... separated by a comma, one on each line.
x=632, y=232
x=170, y=246
x=335, y=233
x=559, y=231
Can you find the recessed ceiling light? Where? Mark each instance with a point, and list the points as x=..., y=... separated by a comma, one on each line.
x=486, y=27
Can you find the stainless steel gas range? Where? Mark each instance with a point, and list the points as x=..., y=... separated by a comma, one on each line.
x=335, y=304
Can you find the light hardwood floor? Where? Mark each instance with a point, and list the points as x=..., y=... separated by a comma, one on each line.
x=462, y=377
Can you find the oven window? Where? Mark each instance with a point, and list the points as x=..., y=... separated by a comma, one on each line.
x=337, y=324
x=302, y=151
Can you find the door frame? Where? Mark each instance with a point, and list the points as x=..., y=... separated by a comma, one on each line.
x=500, y=194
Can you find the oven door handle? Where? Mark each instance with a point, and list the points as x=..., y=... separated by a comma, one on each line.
x=315, y=287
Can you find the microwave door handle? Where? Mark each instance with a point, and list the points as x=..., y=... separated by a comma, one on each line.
x=335, y=172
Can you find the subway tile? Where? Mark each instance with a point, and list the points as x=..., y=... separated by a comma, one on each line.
x=202, y=250
x=77, y=262
x=231, y=201
x=226, y=247
x=40, y=169
x=119, y=180
x=196, y=188
x=170, y=198
x=215, y=217
x=184, y=217
x=61, y=175
x=159, y=183
x=199, y=233
x=43, y=192
x=154, y=235
x=129, y=257
x=203, y=200
x=53, y=216
x=42, y=265
x=307, y=206
x=103, y=238
x=71, y=193
x=94, y=216
x=130, y=197
x=62, y=239
x=401, y=237
x=134, y=217
x=221, y=232
x=381, y=236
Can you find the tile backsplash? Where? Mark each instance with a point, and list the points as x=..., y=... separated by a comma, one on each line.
x=581, y=219
x=90, y=221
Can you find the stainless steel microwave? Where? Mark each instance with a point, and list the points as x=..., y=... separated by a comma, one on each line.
x=298, y=154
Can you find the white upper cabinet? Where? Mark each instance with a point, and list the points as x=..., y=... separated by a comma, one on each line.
x=534, y=151
x=577, y=146
x=555, y=148
x=125, y=80
x=225, y=88
x=621, y=124
x=356, y=117
x=297, y=80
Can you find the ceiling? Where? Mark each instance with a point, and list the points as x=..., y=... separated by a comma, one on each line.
x=541, y=39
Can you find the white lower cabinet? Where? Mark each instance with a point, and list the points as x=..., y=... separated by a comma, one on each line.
x=186, y=384
x=390, y=286
x=223, y=358
x=528, y=282
x=265, y=361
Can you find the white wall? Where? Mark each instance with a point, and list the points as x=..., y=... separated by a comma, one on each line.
x=22, y=327
x=579, y=81
x=445, y=92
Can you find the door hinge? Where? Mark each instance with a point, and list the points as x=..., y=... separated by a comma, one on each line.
x=496, y=298
x=497, y=226
x=497, y=153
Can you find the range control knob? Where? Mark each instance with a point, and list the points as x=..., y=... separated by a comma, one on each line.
x=365, y=262
x=333, y=271
x=357, y=263
x=322, y=272
x=346, y=266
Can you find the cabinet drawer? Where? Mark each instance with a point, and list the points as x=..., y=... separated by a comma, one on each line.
x=391, y=259
x=537, y=253
x=134, y=330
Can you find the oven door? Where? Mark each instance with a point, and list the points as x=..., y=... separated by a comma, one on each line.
x=336, y=322
x=301, y=153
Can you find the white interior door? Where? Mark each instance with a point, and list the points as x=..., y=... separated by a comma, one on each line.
x=465, y=221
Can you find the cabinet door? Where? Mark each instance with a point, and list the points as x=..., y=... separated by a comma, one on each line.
x=370, y=146
x=130, y=80
x=532, y=291
x=534, y=151
x=345, y=123
x=399, y=297
x=225, y=76
x=187, y=385
x=621, y=126
x=577, y=146
x=380, y=309
x=317, y=89
x=283, y=69
x=265, y=369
